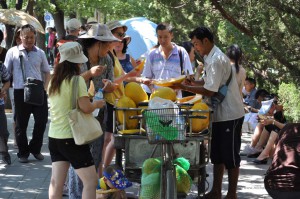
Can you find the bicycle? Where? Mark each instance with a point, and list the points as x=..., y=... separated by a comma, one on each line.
x=166, y=127
x=144, y=144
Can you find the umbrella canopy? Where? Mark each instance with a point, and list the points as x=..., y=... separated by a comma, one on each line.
x=143, y=35
x=19, y=18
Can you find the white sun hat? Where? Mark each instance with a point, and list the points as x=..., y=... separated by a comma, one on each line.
x=72, y=52
x=99, y=32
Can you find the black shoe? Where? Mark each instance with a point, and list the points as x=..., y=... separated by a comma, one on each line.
x=23, y=160
x=255, y=155
x=6, y=159
x=38, y=156
x=264, y=161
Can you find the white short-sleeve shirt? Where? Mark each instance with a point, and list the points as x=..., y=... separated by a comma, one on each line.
x=217, y=72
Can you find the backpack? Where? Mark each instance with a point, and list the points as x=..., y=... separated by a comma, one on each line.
x=56, y=51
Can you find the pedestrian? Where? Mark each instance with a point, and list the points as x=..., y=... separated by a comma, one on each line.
x=62, y=147
x=118, y=30
x=228, y=115
x=234, y=52
x=73, y=29
x=96, y=44
x=127, y=62
x=164, y=62
x=35, y=66
x=16, y=41
x=4, y=86
x=51, y=45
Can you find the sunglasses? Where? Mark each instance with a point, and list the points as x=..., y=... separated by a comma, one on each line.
x=120, y=34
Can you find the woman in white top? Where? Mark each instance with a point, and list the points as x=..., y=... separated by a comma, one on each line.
x=234, y=53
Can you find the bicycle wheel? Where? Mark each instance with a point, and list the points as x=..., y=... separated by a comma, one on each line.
x=171, y=192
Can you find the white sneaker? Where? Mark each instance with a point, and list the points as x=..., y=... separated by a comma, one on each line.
x=249, y=150
x=254, y=152
x=246, y=150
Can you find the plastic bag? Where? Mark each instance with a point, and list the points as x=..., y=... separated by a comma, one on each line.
x=168, y=112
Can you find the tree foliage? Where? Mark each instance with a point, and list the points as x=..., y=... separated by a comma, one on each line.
x=289, y=95
x=266, y=30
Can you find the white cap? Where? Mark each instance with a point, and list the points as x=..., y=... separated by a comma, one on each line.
x=73, y=24
x=72, y=52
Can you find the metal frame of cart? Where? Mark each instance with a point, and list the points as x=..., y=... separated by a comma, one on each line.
x=136, y=148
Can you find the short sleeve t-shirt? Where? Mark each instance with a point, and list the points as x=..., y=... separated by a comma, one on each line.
x=217, y=72
x=158, y=67
x=60, y=106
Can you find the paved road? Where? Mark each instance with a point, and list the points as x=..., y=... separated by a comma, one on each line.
x=31, y=181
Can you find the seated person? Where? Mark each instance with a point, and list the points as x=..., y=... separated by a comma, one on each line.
x=272, y=127
x=249, y=90
x=262, y=131
x=255, y=105
x=282, y=179
x=113, y=183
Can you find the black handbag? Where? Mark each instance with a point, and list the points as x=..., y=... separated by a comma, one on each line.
x=33, y=88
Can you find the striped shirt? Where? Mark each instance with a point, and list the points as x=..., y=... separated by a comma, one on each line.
x=157, y=67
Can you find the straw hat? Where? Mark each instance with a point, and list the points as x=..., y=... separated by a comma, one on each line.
x=116, y=24
x=99, y=32
x=72, y=52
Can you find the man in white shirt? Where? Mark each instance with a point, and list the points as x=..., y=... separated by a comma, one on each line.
x=163, y=62
x=228, y=115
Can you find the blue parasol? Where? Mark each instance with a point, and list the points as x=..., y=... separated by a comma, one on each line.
x=143, y=35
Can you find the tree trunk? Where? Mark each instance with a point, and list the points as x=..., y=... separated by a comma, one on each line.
x=40, y=39
x=3, y=4
x=30, y=6
x=58, y=17
x=10, y=35
x=19, y=4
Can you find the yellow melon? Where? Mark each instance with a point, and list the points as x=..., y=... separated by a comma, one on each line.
x=200, y=124
x=135, y=92
x=140, y=67
x=126, y=102
x=170, y=81
x=185, y=99
x=151, y=165
x=165, y=93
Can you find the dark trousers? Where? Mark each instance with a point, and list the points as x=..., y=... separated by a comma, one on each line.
x=3, y=131
x=23, y=112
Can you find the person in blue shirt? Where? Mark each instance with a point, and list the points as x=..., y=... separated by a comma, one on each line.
x=249, y=91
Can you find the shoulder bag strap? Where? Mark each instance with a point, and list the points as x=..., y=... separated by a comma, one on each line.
x=181, y=61
x=229, y=79
x=22, y=66
x=75, y=86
